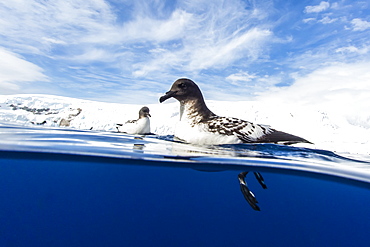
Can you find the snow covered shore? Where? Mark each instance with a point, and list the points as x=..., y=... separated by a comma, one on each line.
x=327, y=128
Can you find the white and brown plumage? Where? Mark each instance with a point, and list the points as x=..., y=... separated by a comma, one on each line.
x=137, y=126
x=199, y=125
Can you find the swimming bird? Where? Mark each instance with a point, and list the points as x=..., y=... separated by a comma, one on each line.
x=138, y=126
x=199, y=125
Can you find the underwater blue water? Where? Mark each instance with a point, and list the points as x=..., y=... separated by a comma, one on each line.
x=63, y=187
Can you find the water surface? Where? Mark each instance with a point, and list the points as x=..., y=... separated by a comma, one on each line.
x=64, y=187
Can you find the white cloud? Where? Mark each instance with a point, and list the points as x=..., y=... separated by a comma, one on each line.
x=148, y=29
x=317, y=8
x=223, y=53
x=155, y=40
x=342, y=88
x=14, y=70
x=241, y=77
x=327, y=20
x=309, y=20
x=205, y=54
x=143, y=28
x=79, y=22
x=40, y=24
x=190, y=37
x=53, y=41
x=353, y=49
x=208, y=39
x=360, y=25
x=94, y=54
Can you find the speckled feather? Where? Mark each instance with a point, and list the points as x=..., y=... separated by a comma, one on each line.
x=244, y=130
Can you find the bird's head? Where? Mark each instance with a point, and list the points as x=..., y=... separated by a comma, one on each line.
x=183, y=89
x=144, y=112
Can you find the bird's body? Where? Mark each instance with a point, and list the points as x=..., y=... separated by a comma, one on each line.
x=199, y=125
x=138, y=126
x=198, y=128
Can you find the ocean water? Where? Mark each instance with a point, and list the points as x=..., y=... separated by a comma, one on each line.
x=65, y=187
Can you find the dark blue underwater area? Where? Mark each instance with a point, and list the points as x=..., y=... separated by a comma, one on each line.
x=63, y=187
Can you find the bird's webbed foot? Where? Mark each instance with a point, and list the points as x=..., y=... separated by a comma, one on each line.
x=260, y=179
x=248, y=195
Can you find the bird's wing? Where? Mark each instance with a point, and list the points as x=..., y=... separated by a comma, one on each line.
x=244, y=130
x=131, y=121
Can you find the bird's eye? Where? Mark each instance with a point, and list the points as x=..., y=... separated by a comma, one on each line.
x=182, y=85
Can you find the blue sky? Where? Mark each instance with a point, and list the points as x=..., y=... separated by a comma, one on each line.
x=131, y=51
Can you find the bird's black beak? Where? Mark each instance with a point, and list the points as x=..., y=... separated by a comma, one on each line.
x=168, y=95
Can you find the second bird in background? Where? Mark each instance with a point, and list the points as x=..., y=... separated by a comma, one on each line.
x=139, y=126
